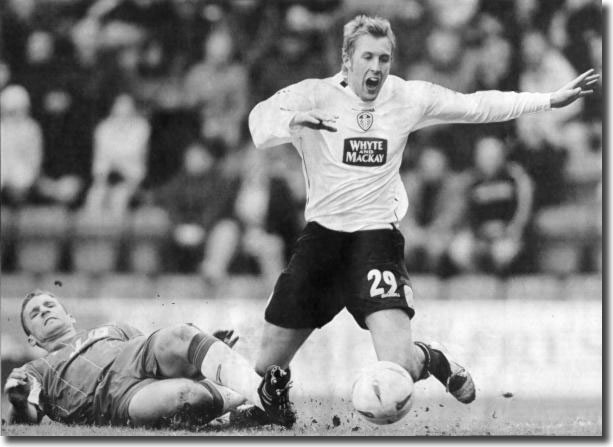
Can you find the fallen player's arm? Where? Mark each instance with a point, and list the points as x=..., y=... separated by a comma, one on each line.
x=27, y=414
x=18, y=388
x=442, y=105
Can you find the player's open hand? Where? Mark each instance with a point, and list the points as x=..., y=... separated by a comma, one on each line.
x=315, y=119
x=17, y=386
x=577, y=88
x=227, y=336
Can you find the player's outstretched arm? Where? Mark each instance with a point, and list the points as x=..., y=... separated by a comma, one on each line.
x=269, y=121
x=17, y=389
x=445, y=106
x=315, y=119
x=577, y=88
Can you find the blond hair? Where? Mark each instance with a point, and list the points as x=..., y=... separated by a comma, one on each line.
x=362, y=25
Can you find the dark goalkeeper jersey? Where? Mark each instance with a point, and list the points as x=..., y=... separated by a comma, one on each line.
x=64, y=382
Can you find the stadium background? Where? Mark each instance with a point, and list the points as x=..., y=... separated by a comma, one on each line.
x=530, y=333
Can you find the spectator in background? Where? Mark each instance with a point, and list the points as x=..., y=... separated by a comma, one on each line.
x=495, y=69
x=120, y=158
x=544, y=69
x=435, y=210
x=199, y=202
x=49, y=79
x=294, y=56
x=45, y=76
x=267, y=211
x=22, y=146
x=218, y=86
x=448, y=62
x=541, y=136
x=453, y=15
x=16, y=23
x=498, y=210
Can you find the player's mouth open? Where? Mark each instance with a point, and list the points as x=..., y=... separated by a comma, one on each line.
x=372, y=82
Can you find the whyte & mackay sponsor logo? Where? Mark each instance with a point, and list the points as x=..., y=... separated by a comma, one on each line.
x=365, y=151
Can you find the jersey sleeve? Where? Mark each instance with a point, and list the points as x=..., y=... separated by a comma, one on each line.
x=129, y=331
x=35, y=378
x=445, y=106
x=269, y=121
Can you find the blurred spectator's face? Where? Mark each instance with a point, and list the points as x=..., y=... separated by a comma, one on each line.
x=369, y=65
x=197, y=160
x=128, y=58
x=123, y=106
x=490, y=156
x=84, y=36
x=219, y=47
x=443, y=47
x=39, y=47
x=23, y=8
x=292, y=48
x=533, y=48
x=496, y=58
x=433, y=164
x=525, y=9
x=153, y=54
x=14, y=102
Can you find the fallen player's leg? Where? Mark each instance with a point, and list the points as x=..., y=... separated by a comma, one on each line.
x=185, y=351
x=185, y=400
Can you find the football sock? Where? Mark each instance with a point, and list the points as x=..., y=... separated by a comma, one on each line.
x=219, y=363
x=435, y=364
x=218, y=400
x=228, y=398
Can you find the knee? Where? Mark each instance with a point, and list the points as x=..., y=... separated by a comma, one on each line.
x=190, y=395
x=174, y=339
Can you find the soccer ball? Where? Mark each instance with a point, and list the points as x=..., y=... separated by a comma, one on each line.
x=383, y=393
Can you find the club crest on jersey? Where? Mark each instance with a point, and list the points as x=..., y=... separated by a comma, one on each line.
x=365, y=120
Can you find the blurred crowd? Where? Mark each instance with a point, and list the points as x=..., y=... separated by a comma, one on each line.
x=129, y=117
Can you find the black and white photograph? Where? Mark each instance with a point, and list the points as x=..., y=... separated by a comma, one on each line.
x=302, y=218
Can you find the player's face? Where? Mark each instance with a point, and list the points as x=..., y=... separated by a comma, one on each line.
x=46, y=318
x=369, y=65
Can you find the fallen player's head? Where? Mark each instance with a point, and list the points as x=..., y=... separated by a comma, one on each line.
x=368, y=44
x=44, y=319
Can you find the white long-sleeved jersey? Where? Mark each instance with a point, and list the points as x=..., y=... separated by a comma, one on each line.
x=352, y=175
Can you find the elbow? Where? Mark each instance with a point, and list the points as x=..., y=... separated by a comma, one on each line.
x=253, y=127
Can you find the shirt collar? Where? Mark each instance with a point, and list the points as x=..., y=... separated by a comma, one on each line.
x=338, y=79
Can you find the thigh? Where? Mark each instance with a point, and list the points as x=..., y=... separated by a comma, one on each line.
x=279, y=345
x=303, y=297
x=173, y=400
x=376, y=277
x=166, y=352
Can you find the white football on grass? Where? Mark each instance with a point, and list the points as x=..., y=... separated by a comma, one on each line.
x=383, y=393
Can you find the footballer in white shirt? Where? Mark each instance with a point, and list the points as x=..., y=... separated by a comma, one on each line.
x=350, y=130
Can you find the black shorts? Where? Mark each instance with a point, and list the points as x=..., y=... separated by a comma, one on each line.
x=363, y=271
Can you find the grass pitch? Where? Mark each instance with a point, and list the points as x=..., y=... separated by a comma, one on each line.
x=441, y=417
